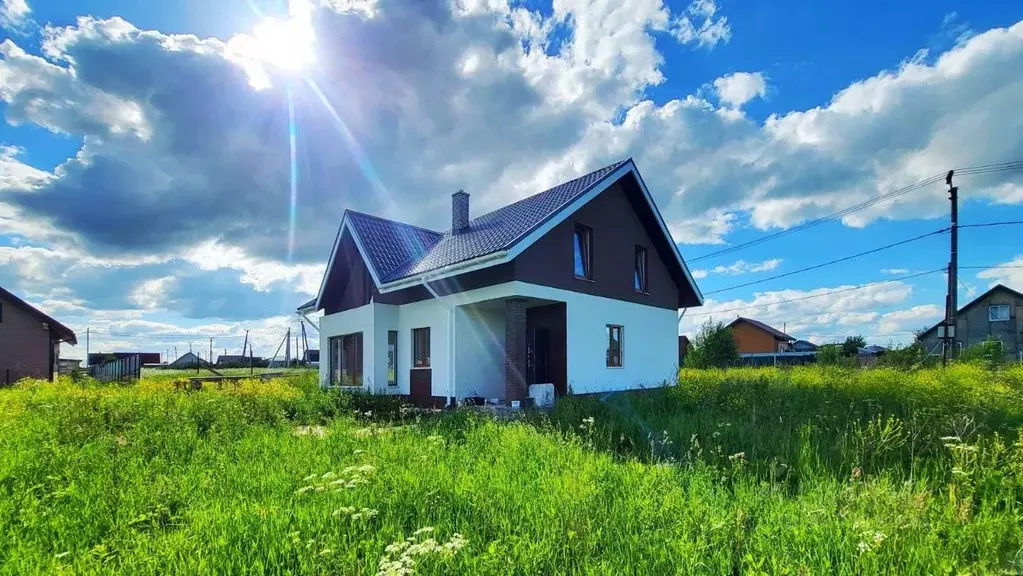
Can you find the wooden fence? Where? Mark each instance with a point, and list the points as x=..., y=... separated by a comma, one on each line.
x=128, y=368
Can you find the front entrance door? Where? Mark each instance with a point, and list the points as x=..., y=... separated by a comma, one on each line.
x=420, y=386
x=538, y=354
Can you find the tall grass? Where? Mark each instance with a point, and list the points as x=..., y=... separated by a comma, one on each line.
x=806, y=471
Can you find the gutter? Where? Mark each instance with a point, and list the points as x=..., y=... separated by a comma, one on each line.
x=440, y=273
x=425, y=281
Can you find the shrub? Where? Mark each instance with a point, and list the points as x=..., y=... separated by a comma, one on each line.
x=713, y=347
x=988, y=353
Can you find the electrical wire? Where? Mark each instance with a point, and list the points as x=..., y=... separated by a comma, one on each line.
x=967, y=171
x=829, y=263
x=811, y=296
x=987, y=224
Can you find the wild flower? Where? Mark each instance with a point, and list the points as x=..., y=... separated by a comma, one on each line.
x=365, y=513
x=400, y=558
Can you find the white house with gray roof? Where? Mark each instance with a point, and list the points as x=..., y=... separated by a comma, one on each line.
x=573, y=290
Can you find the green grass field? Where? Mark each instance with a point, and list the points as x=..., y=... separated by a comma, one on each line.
x=807, y=471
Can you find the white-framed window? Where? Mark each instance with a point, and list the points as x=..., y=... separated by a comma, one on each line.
x=392, y=357
x=346, y=360
x=420, y=347
x=998, y=313
x=614, y=346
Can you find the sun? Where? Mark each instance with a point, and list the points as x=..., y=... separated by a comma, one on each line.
x=287, y=43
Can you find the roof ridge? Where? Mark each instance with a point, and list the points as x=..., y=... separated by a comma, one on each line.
x=393, y=221
x=610, y=167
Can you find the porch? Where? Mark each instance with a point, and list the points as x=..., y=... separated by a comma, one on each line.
x=504, y=345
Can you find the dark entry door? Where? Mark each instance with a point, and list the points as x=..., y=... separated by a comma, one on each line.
x=420, y=386
x=538, y=356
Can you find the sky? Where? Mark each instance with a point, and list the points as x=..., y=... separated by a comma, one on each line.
x=173, y=172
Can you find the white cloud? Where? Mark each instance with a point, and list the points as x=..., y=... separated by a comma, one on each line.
x=699, y=23
x=820, y=315
x=740, y=267
x=151, y=294
x=259, y=273
x=739, y=88
x=910, y=319
x=895, y=271
x=14, y=14
x=1008, y=273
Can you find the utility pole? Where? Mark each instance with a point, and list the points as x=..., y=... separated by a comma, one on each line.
x=287, y=349
x=951, y=300
x=87, y=347
x=211, y=350
x=246, y=343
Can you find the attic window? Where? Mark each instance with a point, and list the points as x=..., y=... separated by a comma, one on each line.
x=998, y=313
x=583, y=250
x=639, y=275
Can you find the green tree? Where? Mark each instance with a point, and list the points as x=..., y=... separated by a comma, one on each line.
x=852, y=345
x=829, y=354
x=713, y=347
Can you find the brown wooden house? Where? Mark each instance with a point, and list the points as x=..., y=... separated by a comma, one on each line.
x=755, y=337
x=29, y=340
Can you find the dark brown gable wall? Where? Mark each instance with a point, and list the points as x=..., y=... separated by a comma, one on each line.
x=617, y=230
x=350, y=284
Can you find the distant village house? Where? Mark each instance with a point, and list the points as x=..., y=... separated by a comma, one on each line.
x=29, y=340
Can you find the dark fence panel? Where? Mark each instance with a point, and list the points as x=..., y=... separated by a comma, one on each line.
x=122, y=370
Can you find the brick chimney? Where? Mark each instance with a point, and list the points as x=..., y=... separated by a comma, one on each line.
x=459, y=212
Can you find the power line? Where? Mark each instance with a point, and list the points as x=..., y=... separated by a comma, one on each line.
x=827, y=293
x=968, y=171
x=963, y=284
x=989, y=267
x=829, y=263
x=986, y=224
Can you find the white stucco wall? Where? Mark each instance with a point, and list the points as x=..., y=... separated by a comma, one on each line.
x=359, y=319
x=649, y=344
x=432, y=314
x=385, y=318
x=479, y=351
x=650, y=341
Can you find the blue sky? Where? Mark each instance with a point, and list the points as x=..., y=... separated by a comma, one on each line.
x=147, y=190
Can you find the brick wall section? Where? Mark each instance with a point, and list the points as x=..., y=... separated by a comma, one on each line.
x=24, y=345
x=515, y=349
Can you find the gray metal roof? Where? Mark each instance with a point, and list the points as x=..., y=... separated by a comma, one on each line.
x=396, y=250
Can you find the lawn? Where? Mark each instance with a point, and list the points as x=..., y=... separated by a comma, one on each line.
x=803, y=471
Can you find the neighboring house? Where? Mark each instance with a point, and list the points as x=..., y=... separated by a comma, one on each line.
x=188, y=360
x=66, y=366
x=237, y=360
x=577, y=287
x=311, y=356
x=29, y=340
x=803, y=346
x=755, y=337
x=997, y=313
x=100, y=358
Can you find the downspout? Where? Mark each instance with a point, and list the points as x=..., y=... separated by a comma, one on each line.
x=450, y=337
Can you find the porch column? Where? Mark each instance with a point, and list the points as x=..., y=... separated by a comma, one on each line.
x=515, y=349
